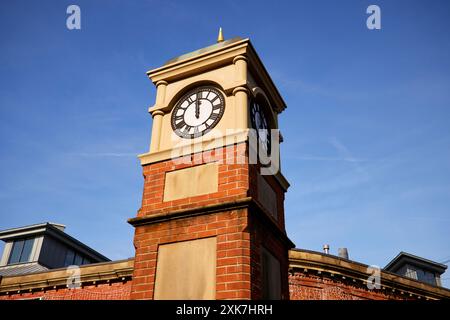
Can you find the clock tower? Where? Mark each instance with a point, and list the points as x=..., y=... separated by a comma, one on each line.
x=211, y=223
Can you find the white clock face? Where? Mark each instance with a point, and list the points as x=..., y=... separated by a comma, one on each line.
x=259, y=122
x=197, y=112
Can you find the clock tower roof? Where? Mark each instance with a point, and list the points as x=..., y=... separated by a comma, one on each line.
x=214, y=57
x=203, y=50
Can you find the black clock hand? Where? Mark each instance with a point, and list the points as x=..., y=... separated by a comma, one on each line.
x=197, y=106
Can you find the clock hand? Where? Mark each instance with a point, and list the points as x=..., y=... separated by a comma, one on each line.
x=197, y=106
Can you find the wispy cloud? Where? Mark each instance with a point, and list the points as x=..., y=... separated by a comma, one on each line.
x=345, y=152
x=321, y=158
x=333, y=184
x=295, y=84
x=103, y=154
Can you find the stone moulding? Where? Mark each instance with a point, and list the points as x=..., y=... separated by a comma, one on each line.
x=90, y=275
x=325, y=265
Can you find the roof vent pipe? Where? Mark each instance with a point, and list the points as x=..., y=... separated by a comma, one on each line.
x=343, y=253
x=326, y=248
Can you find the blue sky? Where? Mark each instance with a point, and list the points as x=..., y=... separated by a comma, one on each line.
x=367, y=135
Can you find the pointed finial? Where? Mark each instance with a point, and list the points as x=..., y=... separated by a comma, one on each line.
x=220, y=37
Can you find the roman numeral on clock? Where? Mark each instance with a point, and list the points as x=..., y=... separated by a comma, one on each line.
x=190, y=100
x=181, y=125
x=196, y=131
x=187, y=129
x=215, y=98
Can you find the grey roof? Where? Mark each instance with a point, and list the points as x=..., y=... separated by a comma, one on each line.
x=56, y=231
x=404, y=257
x=203, y=50
x=31, y=229
x=19, y=269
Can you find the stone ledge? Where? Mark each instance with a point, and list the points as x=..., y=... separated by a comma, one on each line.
x=304, y=261
x=178, y=214
x=247, y=202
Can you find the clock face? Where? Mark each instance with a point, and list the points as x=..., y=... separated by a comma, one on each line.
x=197, y=112
x=259, y=122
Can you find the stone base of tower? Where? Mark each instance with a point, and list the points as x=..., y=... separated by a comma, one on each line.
x=239, y=240
x=246, y=256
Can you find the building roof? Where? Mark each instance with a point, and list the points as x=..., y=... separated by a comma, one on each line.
x=105, y=272
x=203, y=50
x=56, y=231
x=29, y=230
x=406, y=258
x=212, y=56
x=21, y=269
x=322, y=264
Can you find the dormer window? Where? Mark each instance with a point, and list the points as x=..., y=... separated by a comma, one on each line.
x=41, y=247
x=73, y=258
x=411, y=272
x=21, y=251
x=417, y=268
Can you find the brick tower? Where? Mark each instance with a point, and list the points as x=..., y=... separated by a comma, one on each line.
x=211, y=224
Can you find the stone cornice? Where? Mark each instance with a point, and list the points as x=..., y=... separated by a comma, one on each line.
x=216, y=58
x=203, y=146
x=320, y=264
x=247, y=202
x=191, y=212
x=198, y=63
x=192, y=148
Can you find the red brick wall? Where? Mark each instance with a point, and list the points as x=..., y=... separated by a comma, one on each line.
x=233, y=180
x=254, y=171
x=233, y=251
x=309, y=286
x=239, y=234
x=263, y=237
x=233, y=270
x=104, y=291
